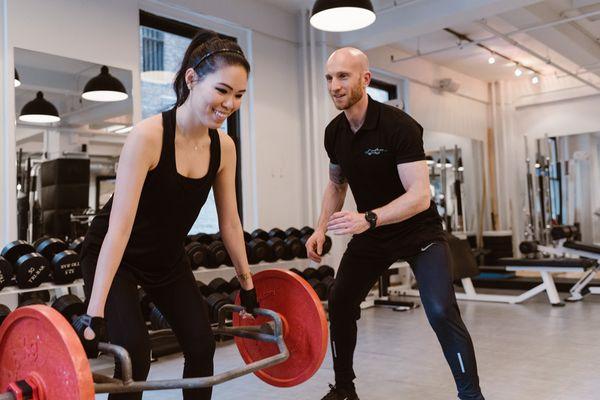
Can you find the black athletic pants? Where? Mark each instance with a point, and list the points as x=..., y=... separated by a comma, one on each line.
x=184, y=308
x=360, y=268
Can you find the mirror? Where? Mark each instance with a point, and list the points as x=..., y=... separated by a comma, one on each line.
x=455, y=173
x=90, y=132
x=564, y=190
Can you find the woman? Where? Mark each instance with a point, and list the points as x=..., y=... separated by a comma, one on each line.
x=167, y=167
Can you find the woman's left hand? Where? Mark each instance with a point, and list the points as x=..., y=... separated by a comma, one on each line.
x=248, y=300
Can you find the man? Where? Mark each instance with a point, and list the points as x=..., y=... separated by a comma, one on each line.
x=378, y=151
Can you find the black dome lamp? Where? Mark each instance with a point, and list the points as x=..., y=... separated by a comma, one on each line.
x=104, y=87
x=17, y=80
x=342, y=15
x=39, y=110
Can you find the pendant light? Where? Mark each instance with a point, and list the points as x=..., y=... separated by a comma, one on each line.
x=104, y=87
x=342, y=15
x=39, y=110
x=17, y=81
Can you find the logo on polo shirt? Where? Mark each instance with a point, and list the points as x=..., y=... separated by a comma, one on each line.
x=375, y=151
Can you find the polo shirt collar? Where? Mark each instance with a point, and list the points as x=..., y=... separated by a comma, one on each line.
x=372, y=117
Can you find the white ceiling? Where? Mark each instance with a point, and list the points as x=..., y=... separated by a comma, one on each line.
x=412, y=25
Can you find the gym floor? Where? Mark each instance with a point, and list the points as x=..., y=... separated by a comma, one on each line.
x=525, y=352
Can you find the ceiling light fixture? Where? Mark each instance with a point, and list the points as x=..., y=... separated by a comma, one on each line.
x=104, y=87
x=39, y=111
x=518, y=71
x=342, y=15
x=535, y=79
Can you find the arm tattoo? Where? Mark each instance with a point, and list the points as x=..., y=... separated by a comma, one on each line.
x=336, y=175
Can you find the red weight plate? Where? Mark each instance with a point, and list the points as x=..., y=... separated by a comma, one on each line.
x=305, y=332
x=37, y=342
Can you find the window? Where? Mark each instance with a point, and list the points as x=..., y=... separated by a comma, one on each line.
x=164, y=42
x=382, y=91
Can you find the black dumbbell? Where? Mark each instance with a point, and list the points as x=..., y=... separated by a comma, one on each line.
x=233, y=296
x=64, y=262
x=30, y=268
x=297, y=272
x=311, y=273
x=234, y=284
x=215, y=302
x=326, y=245
x=257, y=250
x=293, y=232
x=260, y=234
x=77, y=244
x=307, y=230
x=328, y=281
x=293, y=248
x=204, y=288
x=326, y=270
x=276, y=249
x=69, y=306
x=217, y=254
x=39, y=240
x=319, y=288
x=31, y=302
x=197, y=253
x=203, y=238
x=6, y=272
x=4, y=311
x=219, y=285
x=31, y=297
x=276, y=232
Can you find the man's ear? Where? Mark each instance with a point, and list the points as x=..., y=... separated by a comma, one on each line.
x=367, y=78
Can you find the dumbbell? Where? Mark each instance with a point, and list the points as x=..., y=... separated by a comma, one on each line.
x=220, y=285
x=293, y=232
x=6, y=272
x=234, y=284
x=319, y=288
x=257, y=250
x=70, y=307
x=307, y=230
x=326, y=270
x=275, y=244
x=293, y=246
x=30, y=298
x=64, y=262
x=297, y=272
x=204, y=289
x=77, y=244
x=4, y=311
x=203, y=238
x=217, y=254
x=197, y=253
x=311, y=273
x=215, y=302
x=328, y=281
x=30, y=268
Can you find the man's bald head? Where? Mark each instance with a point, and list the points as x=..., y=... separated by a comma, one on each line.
x=350, y=58
x=348, y=75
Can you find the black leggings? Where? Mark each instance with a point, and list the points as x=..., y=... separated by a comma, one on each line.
x=184, y=308
x=360, y=268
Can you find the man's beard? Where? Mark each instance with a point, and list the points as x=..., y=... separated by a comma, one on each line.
x=356, y=93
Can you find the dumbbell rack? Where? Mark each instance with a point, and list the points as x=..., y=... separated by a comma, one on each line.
x=205, y=274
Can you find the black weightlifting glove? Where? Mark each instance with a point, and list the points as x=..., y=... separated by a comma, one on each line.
x=248, y=300
x=96, y=324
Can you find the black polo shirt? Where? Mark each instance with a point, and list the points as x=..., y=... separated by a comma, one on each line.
x=369, y=159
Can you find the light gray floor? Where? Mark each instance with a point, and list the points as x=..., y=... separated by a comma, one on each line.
x=525, y=352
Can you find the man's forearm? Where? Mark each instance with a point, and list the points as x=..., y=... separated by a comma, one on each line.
x=402, y=208
x=333, y=201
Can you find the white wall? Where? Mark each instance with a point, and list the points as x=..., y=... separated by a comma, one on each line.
x=107, y=32
x=464, y=113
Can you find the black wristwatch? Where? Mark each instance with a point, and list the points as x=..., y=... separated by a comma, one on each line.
x=371, y=218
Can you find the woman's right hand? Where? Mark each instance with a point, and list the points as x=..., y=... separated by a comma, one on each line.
x=314, y=245
x=91, y=331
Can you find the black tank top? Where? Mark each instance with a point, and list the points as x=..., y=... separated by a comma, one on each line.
x=168, y=207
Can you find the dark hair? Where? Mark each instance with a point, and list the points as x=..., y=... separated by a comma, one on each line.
x=207, y=53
